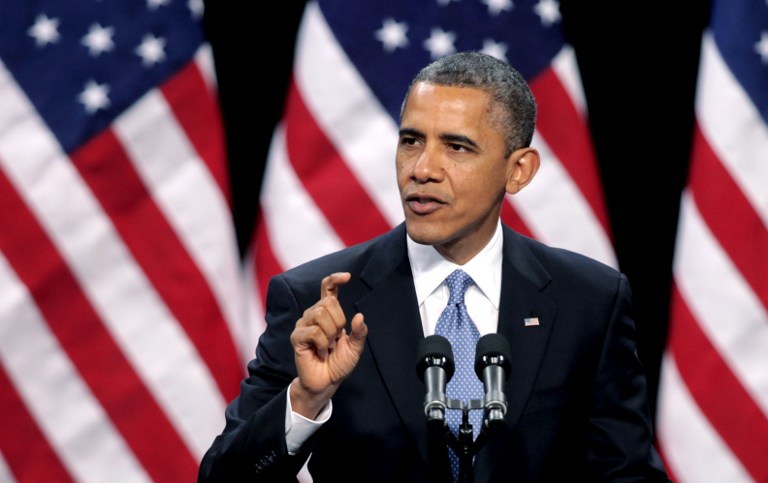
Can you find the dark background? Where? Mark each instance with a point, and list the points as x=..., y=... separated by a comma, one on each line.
x=638, y=63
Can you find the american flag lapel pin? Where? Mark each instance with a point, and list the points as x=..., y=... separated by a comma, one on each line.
x=531, y=321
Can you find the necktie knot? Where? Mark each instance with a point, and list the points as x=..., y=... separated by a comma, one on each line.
x=457, y=283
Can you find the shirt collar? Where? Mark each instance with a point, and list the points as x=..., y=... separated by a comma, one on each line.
x=429, y=268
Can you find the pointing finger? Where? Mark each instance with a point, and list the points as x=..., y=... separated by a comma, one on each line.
x=329, y=287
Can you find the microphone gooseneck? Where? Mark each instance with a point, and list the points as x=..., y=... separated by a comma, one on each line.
x=435, y=368
x=493, y=367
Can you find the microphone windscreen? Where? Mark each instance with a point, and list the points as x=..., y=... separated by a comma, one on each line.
x=435, y=348
x=492, y=345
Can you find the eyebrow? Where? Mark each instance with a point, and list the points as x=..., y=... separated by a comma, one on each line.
x=459, y=139
x=407, y=131
x=449, y=138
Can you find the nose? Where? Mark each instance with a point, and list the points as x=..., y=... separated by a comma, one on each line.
x=426, y=167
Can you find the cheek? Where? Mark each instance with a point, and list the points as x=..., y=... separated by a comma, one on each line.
x=402, y=158
x=469, y=191
x=482, y=183
x=401, y=170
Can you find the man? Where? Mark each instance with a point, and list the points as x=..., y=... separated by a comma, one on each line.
x=336, y=378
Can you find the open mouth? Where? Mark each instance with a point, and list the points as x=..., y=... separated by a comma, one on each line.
x=422, y=204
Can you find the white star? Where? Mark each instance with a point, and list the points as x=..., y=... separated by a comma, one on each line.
x=45, y=30
x=446, y=2
x=99, y=40
x=392, y=34
x=155, y=4
x=549, y=11
x=440, y=43
x=94, y=96
x=197, y=7
x=495, y=49
x=496, y=6
x=761, y=47
x=151, y=50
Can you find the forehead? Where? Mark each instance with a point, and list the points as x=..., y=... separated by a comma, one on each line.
x=447, y=103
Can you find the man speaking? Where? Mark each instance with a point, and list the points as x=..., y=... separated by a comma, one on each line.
x=334, y=374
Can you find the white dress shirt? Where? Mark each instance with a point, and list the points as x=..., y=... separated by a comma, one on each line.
x=482, y=299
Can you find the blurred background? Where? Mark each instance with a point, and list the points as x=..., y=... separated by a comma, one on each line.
x=160, y=160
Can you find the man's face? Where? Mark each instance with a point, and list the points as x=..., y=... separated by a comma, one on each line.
x=451, y=169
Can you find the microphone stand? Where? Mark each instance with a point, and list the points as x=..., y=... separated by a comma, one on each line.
x=465, y=446
x=435, y=367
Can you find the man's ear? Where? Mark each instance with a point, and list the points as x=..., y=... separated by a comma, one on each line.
x=522, y=166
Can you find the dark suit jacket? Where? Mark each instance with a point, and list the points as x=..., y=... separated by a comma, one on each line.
x=577, y=402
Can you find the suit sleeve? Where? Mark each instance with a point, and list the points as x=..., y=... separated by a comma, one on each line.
x=252, y=446
x=620, y=432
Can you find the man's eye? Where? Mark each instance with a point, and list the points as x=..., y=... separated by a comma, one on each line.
x=408, y=141
x=457, y=147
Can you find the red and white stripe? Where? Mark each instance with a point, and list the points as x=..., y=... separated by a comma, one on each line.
x=564, y=205
x=713, y=395
x=121, y=289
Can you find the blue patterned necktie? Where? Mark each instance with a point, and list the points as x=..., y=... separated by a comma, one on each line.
x=455, y=325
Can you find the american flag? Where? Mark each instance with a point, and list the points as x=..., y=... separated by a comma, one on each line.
x=330, y=181
x=120, y=281
x=712, y=419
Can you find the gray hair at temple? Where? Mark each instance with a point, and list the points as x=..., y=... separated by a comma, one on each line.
x=514, y=107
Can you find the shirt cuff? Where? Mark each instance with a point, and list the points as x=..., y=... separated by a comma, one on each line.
x=298, y=428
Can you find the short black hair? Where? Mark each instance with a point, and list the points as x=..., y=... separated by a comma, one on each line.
x=514, y=103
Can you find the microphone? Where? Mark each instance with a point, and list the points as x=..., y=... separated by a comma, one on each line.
x=435, y=368
x=492, y=365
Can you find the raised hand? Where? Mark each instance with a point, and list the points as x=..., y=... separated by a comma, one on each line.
x=324, y=353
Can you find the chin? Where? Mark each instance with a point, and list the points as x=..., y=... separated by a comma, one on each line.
x=422, y=234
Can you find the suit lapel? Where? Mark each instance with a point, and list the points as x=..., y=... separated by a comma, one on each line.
x=394, y=331
x=523, y=282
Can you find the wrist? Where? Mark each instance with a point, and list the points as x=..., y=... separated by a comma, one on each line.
x=306, y=402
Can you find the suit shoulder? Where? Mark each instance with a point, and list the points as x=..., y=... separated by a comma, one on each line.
x=349, y=259
x=561, y=262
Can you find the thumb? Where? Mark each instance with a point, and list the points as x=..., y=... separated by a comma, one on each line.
x=358, y=332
